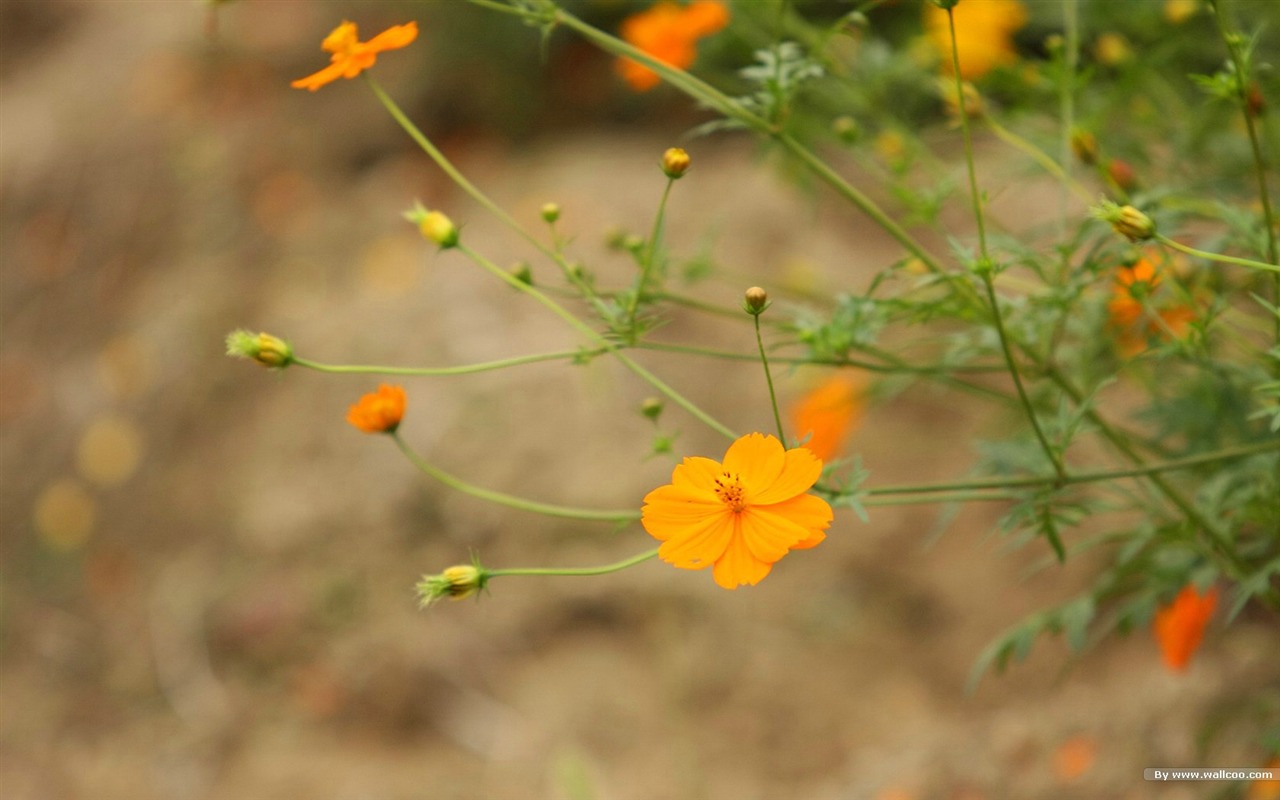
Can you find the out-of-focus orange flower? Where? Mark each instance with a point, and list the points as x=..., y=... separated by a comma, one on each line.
x=830, y=411
x=380, y=411
x=352, y=56
x=670, y=34
x=740, y=517
x=984, y=34
x=1074, y=757
x=1180, y=625
x=1127, y=315
x=1266, y=789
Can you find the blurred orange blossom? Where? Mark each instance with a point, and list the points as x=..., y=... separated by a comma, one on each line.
x=1180, y=625
x=380, y=411
x=827, y=413
x=984, y=34
x=352, y=56
x=669, y=33
x=740, y=517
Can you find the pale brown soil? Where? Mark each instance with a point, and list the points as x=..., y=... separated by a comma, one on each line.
x=239, y=620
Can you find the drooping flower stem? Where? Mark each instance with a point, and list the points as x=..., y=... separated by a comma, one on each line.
x=579, y=325
x=773, y=395
x=604, y=569
x=986, y=265
x=511, y=501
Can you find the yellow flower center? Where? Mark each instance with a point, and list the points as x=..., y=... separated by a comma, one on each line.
x=342, y=41
x=729, y=490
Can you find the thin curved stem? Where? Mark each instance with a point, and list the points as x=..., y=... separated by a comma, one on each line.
x=605, y=569
x=1205, y=254
x=579, y=325
x=511, y=501
x=461, y=369
x=768, y=377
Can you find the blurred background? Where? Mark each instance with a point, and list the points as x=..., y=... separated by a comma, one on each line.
x=208, y=576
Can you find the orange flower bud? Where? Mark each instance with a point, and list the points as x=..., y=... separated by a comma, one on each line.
x=675, y=162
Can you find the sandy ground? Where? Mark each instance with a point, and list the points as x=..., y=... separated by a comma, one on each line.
x=208, y=576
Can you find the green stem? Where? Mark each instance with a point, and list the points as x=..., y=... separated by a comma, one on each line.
x=768, y=377
x=579, y=325
x=617, y=566
x=1191, y=251
x=986, y=265
x=463, y=369
x=510, y=501
x=729, y=107
x=456, y=176
x=650, y=255
x=1040, y=157
x=1226, y=454
x=1067, y=104
x=1259, y=163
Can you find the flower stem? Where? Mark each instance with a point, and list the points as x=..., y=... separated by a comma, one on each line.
x=563, y=313
x=986, y=264
x=454, y=174
x=773, y=396
x=1226, y=454
x=650, y=255
x=605, y=569
x=462, y=369
x=520, y=503
x=1259, y=163
x=1191, y=251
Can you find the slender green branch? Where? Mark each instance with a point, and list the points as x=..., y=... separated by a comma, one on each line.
x=768, y=377
x=1040, y=157
x=511, y=501
x=579, y=325
x=1171, y=465
x=462, y=369
x=454, y=174
x=650, y=254
x=1191, y=251
x=617, y=566
x=986, y=266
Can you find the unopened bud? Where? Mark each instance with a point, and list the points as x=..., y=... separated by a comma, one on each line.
x=550, y=212
x=1122, y=173
x=1126, y=221
x=1112, y=49
x=267, y=350
x=434, y=226
x=675, y=162
x=455, y=583
x=522, y=272
x=652, y=408
x=755, y=301
x=1085, y=146
x=846, y=129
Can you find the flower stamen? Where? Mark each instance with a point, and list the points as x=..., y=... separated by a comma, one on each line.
x=730, y=491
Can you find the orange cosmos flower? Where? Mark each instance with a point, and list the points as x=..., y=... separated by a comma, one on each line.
x=829, y=412
x=380, y=411
x=1180, y=625
x=352, y=56
x=670, y=34
x=984, y=34
x=739, y=517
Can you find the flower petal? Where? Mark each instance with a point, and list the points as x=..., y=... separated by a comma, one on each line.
x=737, y=566
x=700, y=545
x=668, y=510
x=322, y=78
x=697, y=472
x=800, y=471
x=758, y=459
x=393, y=38
x=769, y=537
